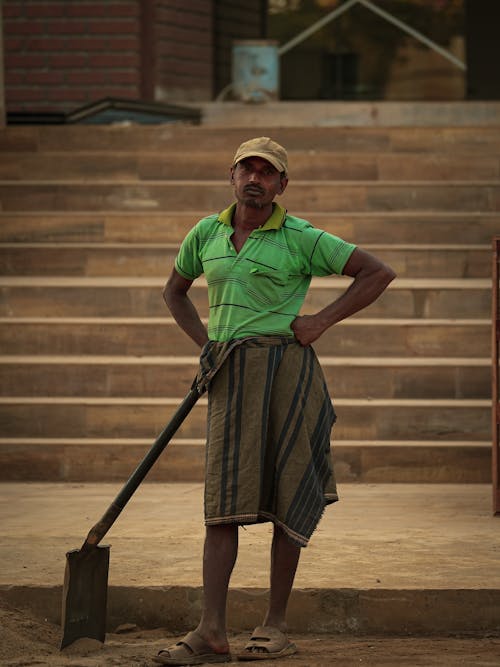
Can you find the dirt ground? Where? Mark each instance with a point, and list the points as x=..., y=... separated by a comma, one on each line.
x=26, y=641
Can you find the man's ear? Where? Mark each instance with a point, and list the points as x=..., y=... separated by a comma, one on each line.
x=283, y=183
x=231, y=175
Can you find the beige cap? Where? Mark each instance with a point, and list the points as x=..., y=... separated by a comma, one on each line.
x=265, y=148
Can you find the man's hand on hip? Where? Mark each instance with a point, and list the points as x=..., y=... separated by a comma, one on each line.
x=306, y=329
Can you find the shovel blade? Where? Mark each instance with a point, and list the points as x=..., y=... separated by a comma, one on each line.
x=85, y=594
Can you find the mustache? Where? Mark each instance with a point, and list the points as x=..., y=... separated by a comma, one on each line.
x=254, y=187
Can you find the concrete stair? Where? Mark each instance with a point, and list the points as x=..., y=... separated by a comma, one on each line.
x=92, y=366
x=72, y=297
x=204, y=165
x=212, y=195
x=469, y=140
x=147, y=336
x=410, y=227
x=112, y=259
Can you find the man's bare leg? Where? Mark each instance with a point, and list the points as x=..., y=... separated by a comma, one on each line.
x=219, y=557
x=284, y=560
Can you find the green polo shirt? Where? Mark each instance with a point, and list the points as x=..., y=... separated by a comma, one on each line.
x=260, y=290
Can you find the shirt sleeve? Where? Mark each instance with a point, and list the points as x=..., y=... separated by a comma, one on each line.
x=188, y=263
x=329, y=254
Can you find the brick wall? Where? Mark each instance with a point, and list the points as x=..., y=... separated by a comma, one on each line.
x=61, y=54
x=233, y=20
x=184, y=50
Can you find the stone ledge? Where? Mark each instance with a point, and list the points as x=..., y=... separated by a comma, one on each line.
x=351, y=114
x=441, y=612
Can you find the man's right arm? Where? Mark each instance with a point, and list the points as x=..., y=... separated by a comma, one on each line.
x=182, y=308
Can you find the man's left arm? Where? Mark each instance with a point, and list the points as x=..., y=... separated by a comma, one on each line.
x=371, y=277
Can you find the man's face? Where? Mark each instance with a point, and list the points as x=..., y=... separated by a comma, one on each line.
x=256, y=182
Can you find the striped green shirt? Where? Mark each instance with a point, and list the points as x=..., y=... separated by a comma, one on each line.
x=260, y=290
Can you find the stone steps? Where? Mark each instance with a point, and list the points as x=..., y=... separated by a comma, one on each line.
x=147, y=377
x=410, y=227
x=314, y=195
x=113, y=459
x=141, y=297
x=111, y=259
x=205, y=165
x=137, y=336
x=93, y=367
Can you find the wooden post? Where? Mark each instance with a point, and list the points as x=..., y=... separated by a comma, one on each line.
x=483, y=49
x=495, y=329
x=2, y=90
x=148, y=50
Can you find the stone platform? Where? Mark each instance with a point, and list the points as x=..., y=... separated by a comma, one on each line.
x=405, y=559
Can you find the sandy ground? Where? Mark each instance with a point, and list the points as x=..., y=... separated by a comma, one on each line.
x=25, y=641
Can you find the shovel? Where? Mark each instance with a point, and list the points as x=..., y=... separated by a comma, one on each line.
x=85, y=588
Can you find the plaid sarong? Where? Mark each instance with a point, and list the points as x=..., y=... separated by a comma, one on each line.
x=268, y=435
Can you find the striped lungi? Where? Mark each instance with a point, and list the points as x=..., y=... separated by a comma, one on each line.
x=268, y=435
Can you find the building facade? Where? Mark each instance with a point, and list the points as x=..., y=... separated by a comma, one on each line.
x=62, y=54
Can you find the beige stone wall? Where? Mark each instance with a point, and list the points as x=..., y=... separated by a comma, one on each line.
x=418, y=73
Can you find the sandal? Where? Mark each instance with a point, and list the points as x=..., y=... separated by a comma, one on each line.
x=191, y=650
x=267, y=643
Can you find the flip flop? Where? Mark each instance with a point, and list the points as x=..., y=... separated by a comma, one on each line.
x=191, y=650
x=270, y=642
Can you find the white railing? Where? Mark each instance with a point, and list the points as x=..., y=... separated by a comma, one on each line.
x=335, y=13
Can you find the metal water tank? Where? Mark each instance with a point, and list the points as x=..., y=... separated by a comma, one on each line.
x=255, y=70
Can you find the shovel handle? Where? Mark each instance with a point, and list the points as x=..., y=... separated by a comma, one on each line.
x=100, y=529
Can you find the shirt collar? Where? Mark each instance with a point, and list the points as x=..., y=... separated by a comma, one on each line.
x=275, y=220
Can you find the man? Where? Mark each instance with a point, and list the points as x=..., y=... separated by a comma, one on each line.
x=269, y=414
